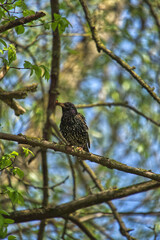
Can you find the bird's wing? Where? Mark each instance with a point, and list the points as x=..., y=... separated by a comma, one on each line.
x=83, y=120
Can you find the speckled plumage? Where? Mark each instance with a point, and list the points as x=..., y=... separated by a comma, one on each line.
x=73, y=126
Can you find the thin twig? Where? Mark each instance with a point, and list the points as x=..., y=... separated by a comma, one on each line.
x=64, y=229
x=73, y=176
x=119, y=104
x=82, y=227
x=101, y=47
x=153, y=13
x=49, y=188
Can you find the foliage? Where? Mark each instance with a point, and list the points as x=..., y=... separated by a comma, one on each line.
x=7, y=162
x=60, y=22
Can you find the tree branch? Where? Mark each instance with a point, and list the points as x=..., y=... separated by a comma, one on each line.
x=21, y=21
x=123, y=229
x=119, y=104
x=70, y=207
x=104, y=161
x=153, y=13
x=51, y=106
x=7, y=97
x=18, y=94
x=15, y=106
x=82, y=227
x=101, y=47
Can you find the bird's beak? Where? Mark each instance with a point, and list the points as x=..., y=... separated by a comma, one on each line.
x=60, y=104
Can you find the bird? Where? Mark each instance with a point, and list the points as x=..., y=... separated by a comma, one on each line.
x=73, y=126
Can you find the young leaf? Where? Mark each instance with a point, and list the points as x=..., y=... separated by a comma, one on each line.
x=38, y=71
x=20, y=29
x=3, y=232
x=1, y=221
x=57, y=17
x=46, y=72
x=11, y=237
x=4, y=212
x=3, y=42
x=15, y=197
x=27, y=64
x=11, y=53
x=14, y=153
x=19, y=172
x=8, y=220
x=54, y=26
x=27, y=151
x=28, y=12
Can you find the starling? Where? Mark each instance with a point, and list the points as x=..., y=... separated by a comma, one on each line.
x=73, y=126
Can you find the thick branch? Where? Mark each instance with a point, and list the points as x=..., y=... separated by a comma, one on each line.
x=70, y=207
x=15, y=106
x=101, y=47
x=104, y=161
x=18, y=94
x=51, y=105
x=21, y=21
x=7, y=97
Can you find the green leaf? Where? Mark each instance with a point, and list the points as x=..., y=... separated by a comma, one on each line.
x=11, y=237
x=5, y=61
x=60, y=22
x=11, y=18
x=3, y=42
x=2, y=13
x=47, y=26
x=20, y=199
x=20, y=4
x=27, y=12
x=37, y=70
x=4, y=212
x=31, y=72
x=20, y=29
x=10, y=189
x=3, y=232
x=57, y=16
x=8, y=220
x=27, y=151
x=46, y=72
x=19, y=172
x=16, y=197
x=1, y=221
x=54, y=26
x=5, y=162
x=27, y=64
x=11, y=53
x=14, y=153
